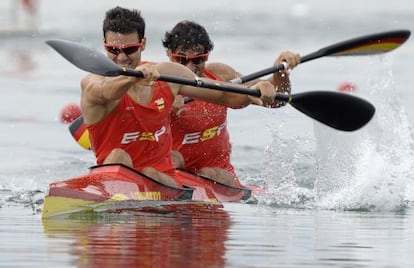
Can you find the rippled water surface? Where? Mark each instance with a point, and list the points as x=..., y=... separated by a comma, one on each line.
x=333, y=199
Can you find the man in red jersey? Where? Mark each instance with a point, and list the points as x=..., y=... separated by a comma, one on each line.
x=201, y=138
x=128, y=118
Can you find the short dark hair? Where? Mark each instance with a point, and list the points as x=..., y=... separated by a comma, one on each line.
x=124, y=21
x=187, y=35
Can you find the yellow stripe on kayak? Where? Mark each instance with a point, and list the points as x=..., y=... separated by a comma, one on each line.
x=57, y=205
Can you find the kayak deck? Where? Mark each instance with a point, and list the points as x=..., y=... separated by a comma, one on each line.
x=115, y=187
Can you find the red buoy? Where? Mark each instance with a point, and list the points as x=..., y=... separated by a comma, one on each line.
x=69, y=113
x=346, y=87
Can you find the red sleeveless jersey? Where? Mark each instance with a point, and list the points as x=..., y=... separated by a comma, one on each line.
x=200, y=134
x=142, y=131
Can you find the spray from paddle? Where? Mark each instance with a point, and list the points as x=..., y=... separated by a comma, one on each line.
x=370, y=171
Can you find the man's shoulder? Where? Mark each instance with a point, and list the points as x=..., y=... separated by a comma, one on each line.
x=222, y=70
x=218, y=66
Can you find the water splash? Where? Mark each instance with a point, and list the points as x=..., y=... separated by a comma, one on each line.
x=367, y=170
x=370, y=169
x=288, y=174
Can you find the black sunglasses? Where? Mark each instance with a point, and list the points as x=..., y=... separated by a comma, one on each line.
x=127, y=49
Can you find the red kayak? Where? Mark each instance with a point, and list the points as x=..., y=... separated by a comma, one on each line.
x=115, y=187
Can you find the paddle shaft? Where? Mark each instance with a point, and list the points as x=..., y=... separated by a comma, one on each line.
x=199, y=83
x=273, y=69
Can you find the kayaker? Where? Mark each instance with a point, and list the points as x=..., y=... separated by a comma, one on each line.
x=128, y=118
x=201, y=138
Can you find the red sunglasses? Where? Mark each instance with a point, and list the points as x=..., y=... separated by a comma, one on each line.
x=184, y=59
x=127, y=49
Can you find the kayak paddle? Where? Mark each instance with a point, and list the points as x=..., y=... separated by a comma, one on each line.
x=337, y=110
x=366, y=45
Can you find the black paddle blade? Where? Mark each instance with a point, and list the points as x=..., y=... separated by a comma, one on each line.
x=85, y=58
x=337, y=110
